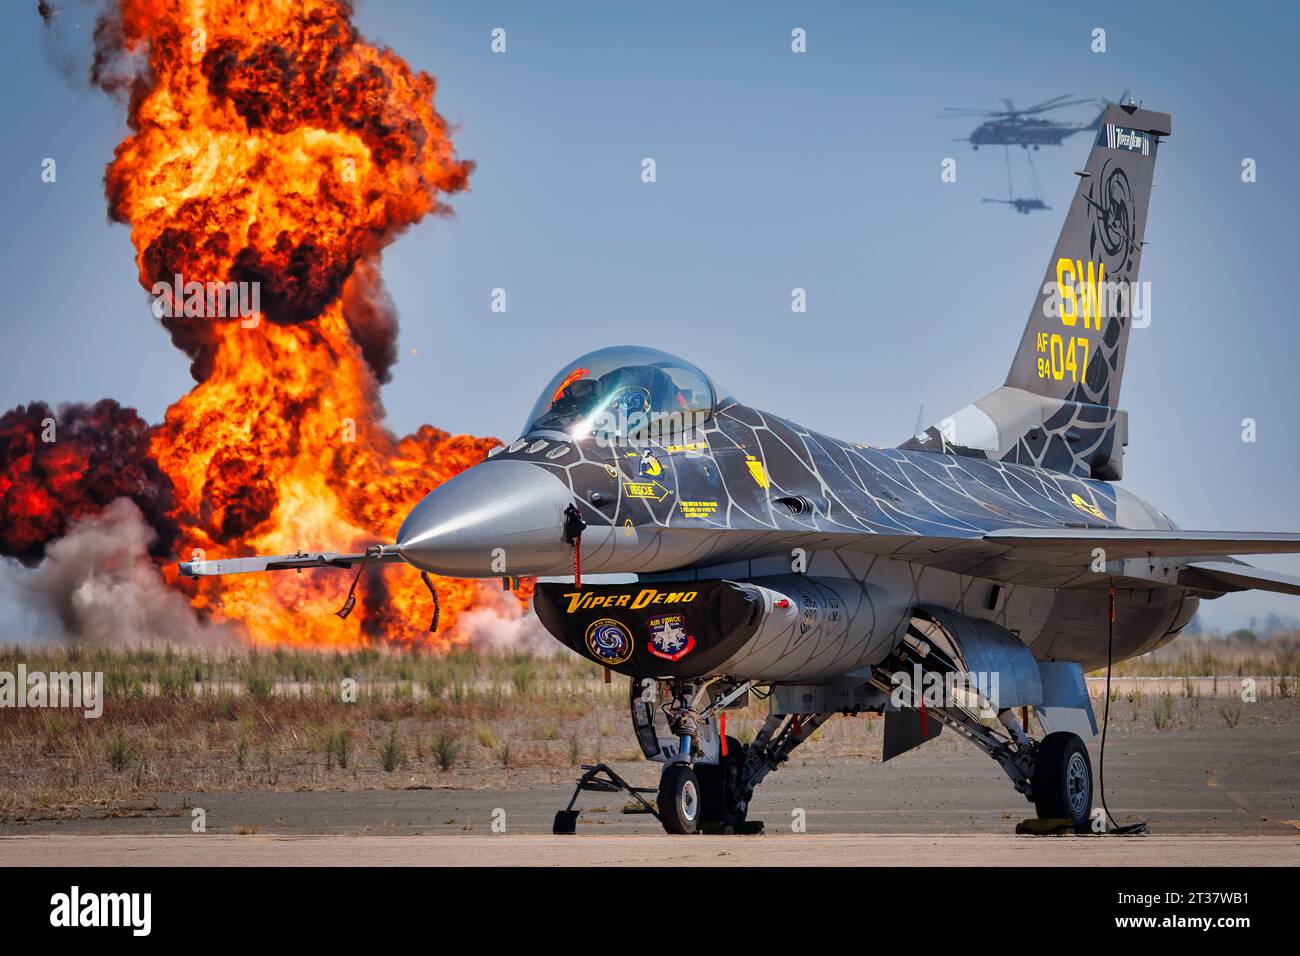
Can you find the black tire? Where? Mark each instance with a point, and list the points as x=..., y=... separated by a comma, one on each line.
x=679, y=799
x=718, y=785
x=1063, y=780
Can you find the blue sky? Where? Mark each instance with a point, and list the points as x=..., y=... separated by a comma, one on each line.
x=775, y=170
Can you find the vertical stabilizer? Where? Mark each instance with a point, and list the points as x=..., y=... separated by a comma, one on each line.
x=1059, y=408
x=1074, y=343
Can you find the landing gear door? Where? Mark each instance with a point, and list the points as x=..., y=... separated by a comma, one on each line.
x=645, y=708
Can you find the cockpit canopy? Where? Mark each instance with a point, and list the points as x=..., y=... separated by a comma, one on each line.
x=624, y=392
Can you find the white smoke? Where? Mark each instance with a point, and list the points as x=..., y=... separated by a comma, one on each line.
x=498, y=623
x=98, y=585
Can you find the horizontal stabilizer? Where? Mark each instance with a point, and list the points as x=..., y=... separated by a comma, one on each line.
x=1242, y=577
x=287, y=562
x=1122, y=543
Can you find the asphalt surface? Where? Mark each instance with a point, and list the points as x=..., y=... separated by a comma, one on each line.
x=1226, y=796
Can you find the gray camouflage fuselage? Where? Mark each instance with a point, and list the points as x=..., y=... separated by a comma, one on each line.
x=752, y=496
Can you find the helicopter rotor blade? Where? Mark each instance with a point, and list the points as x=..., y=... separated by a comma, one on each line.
x=1056, y=106
x=1011, y=112
x=1048, y=102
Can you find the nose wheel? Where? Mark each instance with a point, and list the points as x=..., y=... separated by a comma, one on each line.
x=679, y=799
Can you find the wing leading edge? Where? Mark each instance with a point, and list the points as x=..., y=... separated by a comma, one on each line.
x=1233, y=576
x=1075, y=544
x=1064, y=557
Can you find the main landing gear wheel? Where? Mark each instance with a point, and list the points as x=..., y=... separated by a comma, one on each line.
x=1063, y=780
x=679, y=799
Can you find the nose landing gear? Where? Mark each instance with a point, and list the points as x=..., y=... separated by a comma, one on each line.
x=708, y=778
x=679, y=799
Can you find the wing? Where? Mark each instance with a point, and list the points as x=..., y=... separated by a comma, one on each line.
x=383, y=554
x=1076, y=544
x=1062, y=557
x=1233, y=576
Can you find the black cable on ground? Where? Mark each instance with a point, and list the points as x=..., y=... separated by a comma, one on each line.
x=1132, y=828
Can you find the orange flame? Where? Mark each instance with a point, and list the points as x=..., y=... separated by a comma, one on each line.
x=271, y=144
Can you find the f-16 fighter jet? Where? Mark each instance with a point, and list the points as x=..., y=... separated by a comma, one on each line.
x=967, y=579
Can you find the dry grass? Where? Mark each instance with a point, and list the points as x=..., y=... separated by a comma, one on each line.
x=191, y=721
x=177, y=722
x=1241, y=654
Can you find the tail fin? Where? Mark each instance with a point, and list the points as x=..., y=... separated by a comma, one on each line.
x=1105, y=105
x=1059, y=408
x=1074, y=342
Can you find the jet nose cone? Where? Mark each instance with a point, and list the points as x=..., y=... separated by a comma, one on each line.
x=515, y=506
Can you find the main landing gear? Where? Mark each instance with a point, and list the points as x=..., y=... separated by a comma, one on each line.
x=709, y=778
x=1055, y=774
x=1062, y=786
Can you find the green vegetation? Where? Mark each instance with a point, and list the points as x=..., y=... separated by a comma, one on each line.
x=390, y=754
x=120, y=751
x=1164, y=712
x=446, y=749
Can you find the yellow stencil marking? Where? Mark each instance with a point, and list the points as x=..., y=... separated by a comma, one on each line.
x=1087, y=507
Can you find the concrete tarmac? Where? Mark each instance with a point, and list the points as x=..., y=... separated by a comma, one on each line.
x=649, y=850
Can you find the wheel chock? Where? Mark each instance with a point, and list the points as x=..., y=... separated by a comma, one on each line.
x=744, y=828
x=1049, y=827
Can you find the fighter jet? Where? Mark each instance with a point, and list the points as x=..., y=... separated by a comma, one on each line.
x=966, y=579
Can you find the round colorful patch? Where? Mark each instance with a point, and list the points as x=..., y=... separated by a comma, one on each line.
x=609, y=641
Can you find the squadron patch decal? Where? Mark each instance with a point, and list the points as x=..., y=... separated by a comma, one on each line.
x=668, y=637
x=609, y=641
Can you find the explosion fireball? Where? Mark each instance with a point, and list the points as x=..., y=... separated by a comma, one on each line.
x=270, y=144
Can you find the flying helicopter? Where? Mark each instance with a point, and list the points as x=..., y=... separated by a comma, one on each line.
x=1024, y=127
x=1022, y=205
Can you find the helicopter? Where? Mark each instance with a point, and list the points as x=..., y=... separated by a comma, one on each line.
x=1023, y=127
x=1022, y=205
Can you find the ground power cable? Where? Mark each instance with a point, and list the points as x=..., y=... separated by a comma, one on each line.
x=1132, y=829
